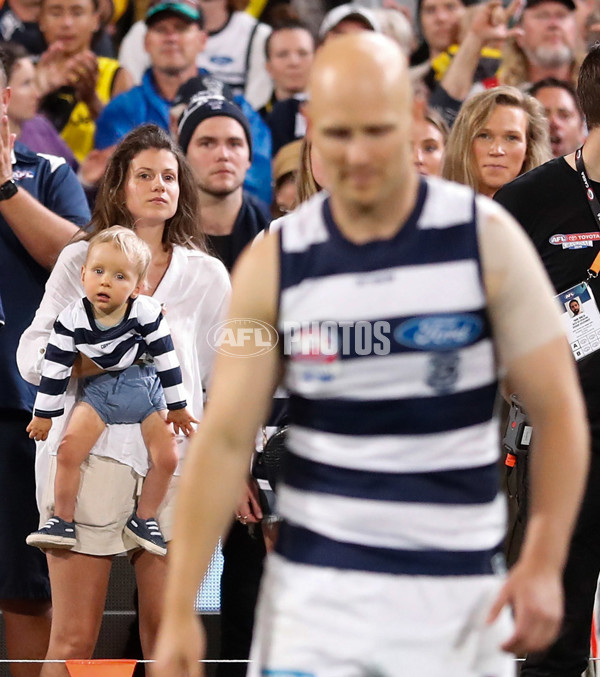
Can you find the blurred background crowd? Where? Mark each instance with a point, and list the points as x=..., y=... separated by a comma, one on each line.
x=84, y=72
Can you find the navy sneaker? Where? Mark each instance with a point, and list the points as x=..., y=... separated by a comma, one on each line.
x=146, y=533
x=56, y=533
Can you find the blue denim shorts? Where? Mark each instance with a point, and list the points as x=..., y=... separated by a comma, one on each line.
x=127, y=396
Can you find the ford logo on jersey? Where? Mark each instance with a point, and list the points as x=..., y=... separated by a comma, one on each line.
x=219, y=60
x=439, y=332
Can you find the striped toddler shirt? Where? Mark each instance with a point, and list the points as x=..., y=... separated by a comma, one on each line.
x=143, y=329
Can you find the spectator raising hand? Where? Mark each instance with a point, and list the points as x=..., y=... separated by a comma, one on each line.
x=84, y=76
x=57, y=69
x=484, y=30
x=491, y=21
x=53, y=69
x=485, y=25
x=74, y=82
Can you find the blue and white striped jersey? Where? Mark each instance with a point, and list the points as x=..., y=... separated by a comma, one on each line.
x=142, y=330
x=390, y=364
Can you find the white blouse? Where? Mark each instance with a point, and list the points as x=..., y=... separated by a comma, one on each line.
x=194, y=292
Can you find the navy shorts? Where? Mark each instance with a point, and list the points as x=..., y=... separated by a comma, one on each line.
x=23, y=569
x=127, y=396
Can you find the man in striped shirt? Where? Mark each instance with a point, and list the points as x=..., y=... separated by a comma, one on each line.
x=397, y=299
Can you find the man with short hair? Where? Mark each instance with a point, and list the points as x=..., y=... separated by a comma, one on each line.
x=389, y=495
x=41, y=207
x=574, y=307
x=289, y=49
x=440, y=22
x=567, y=126
x=555, y=205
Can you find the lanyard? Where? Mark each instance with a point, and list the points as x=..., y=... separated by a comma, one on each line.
x=594, y=269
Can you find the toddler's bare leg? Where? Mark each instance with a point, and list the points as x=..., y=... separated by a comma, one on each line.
x=160, y=442
x=83, y=430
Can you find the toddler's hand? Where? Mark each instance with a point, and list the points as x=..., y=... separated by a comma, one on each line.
x=182, y=421
x=39, y=428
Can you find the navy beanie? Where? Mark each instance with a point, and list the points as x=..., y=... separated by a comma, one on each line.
x=202, y=107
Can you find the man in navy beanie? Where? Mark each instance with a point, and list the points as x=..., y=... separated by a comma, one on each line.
x=202, y=107
x=215, y=136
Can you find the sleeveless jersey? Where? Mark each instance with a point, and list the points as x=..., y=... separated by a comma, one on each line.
x=226, y=53
x=390, y=365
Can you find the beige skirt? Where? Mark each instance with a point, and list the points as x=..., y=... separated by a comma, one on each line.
x=108, y=494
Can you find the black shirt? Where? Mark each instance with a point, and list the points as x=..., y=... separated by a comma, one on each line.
x=548, y=202
x=220, y=247
x=286, y=122
x=251, y=219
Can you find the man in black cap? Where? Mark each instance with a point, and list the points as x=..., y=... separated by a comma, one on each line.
x=207, y=85
x=546, y=44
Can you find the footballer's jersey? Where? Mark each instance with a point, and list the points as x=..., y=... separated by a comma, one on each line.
x=393, y=447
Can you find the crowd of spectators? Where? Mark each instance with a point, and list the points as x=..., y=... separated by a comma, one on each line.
x=102, y=68
x=495, y=97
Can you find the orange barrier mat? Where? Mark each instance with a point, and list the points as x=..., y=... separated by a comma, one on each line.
x=101, y=668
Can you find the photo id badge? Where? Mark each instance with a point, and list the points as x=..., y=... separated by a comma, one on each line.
x=581, y=318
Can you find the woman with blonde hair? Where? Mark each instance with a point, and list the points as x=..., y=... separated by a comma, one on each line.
x=430, y=134
x=498, y=135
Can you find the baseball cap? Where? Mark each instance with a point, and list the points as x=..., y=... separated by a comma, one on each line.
x=186, y=9
x=569, y=4
x=348, y=11
x=203, y=106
